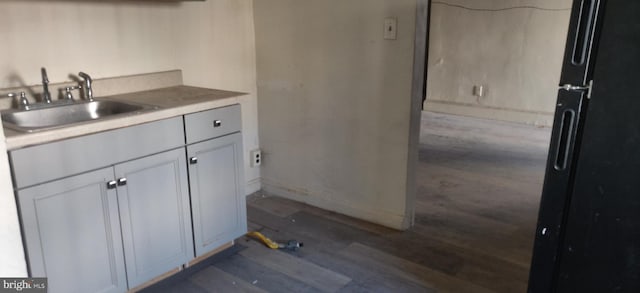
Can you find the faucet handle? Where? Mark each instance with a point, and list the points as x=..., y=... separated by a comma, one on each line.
x=23, y=102
x=13, y=95
x=67, y=92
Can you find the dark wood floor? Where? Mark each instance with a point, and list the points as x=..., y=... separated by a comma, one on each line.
x=478, y=195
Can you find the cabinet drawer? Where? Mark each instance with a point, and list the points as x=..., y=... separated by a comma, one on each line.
x=212, y=123
x=46, y=162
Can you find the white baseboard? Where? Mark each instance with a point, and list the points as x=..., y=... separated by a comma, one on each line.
x=252, y=186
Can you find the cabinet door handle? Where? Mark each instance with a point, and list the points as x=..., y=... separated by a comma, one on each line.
x=111, y=184
x=122, y=181
x=217, y=123
x=193, y=160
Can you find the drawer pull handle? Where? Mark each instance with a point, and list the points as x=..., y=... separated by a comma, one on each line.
x=122, y=181
x=217, y=123
x=111, y=184
x=193, y=160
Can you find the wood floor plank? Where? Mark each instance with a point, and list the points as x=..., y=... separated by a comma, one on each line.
x=379, y=260
x=265, y=219
x=475, y=234
x=324, y=237
x=253, y=226
x=436, y=257
x=478, y=267
x=181, y=287
x=213, y=279
x=274, y=205
x=320, y=248
x=364, y=278
x=322, y=252
x=309, y=273
x=517, y=255
x=374, y=285
x=508, y=281
x=333, y=236
x=472, y=185
x=451, y=215
x=304, y=227
x=263, y=277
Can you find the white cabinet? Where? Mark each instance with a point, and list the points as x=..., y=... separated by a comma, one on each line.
x=153, y=198
x=217, y=194
x=72, y=233
x=130, y=221
x=81, y=231
x=216, y=177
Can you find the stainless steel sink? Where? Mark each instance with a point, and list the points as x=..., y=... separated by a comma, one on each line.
x=64, y=115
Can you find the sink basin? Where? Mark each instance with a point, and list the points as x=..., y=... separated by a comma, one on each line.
x=63, y=115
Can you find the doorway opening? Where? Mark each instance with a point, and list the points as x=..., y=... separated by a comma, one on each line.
x=492, y=77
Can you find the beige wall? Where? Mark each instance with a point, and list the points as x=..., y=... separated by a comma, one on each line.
x=212, y=42
x=517, y=54
x=334, y=104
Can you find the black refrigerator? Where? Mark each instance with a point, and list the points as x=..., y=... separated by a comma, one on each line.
x=588, y=233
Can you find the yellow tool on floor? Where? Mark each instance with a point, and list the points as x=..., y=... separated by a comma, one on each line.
x=268, y=242
x=291, y=244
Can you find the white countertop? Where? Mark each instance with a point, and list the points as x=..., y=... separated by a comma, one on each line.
x=172, y=102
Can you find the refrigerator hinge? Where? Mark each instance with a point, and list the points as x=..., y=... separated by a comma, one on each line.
x=579, y=88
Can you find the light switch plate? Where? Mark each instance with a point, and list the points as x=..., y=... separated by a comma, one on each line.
x=390, y=28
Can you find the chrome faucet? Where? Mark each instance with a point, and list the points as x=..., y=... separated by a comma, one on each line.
x=46, y=96
x=87, y=86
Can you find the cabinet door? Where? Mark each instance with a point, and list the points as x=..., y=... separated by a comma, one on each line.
x=217, y=193
x=72, y=233
x=155, y=215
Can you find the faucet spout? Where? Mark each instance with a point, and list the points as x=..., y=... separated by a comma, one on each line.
x=46, y=96
x=87, y=86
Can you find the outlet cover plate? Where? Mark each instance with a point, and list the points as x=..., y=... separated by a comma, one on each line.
x=256, y=158
x=390, y=28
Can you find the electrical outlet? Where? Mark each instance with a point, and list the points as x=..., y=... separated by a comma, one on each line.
x=256, y=158
x=479, y=90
